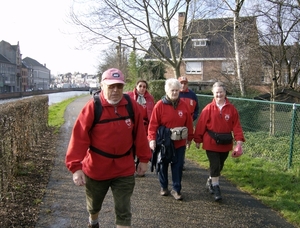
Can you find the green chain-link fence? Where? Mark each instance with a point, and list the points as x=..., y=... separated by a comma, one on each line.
x=272, y=129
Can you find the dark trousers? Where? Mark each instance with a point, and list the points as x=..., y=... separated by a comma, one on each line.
x=176, y=170
x=216, y=162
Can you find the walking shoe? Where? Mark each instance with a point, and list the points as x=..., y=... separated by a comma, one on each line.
x=217, y=193
x=93, y=226
x=209, y=186
x=176, y=195
x=164, y=191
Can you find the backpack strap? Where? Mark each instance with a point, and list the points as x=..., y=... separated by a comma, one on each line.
x=97, y=109
x=97, y=115
x=113, y=156
x=129, y=107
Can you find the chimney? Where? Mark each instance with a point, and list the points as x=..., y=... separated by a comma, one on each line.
x=181, y=17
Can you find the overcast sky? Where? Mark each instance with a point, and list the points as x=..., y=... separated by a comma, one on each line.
x=43, y=33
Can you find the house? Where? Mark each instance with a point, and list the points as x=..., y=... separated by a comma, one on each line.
x=10, y=67
x=39, y=75
x=208, y=54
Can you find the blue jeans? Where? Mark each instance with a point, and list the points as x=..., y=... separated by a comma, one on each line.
x=176, y=170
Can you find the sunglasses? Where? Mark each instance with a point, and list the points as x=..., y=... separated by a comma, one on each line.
x=142, y=86
x=119, y=86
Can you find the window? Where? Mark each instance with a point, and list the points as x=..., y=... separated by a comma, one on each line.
x=193, y=68
x=227, y=67
x=199, y=42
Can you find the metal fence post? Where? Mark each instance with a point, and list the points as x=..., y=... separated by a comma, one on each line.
x=292, y=135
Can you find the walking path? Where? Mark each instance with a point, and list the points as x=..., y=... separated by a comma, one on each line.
x=64, y=203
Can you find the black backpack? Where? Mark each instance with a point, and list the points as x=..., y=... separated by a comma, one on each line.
x=98, y=110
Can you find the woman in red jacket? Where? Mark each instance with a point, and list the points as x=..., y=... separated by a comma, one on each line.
x=171, y=112
x=145, y=99
x=219, y=116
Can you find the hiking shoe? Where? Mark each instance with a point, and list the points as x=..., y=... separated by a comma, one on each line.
x=217, y=193
x=164, y=192
x=209, y=186
x=176, y=195
x=93, y=226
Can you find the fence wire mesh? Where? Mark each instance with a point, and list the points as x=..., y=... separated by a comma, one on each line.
x=272, y=129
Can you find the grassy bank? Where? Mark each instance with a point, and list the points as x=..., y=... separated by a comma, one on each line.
x=56, y=112
x=263, y=179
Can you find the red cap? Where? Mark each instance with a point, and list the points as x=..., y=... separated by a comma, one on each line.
x=182, y=79
x=113, y=76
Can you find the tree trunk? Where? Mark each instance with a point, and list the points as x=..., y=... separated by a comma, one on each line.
x=237, y=55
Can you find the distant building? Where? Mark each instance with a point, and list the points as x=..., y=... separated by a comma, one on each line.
x=10, y=67
x=39, y=76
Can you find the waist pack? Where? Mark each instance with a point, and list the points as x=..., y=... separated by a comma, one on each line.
x=179, y=133
x=221, y=138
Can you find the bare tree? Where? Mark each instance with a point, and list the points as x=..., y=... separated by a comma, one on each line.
x=280, y=23
x=145, y=21
x=112, y=57
x=236, y=9
x=279, y=36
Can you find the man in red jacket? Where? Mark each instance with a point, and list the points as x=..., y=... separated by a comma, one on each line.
x=98, y=158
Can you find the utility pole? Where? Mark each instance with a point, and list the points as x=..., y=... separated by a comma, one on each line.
x=119, y=52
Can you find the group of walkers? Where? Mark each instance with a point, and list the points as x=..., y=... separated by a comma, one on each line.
x=103, y=155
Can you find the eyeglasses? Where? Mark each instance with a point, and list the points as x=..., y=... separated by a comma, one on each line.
x=119, y=86
x=142, y=86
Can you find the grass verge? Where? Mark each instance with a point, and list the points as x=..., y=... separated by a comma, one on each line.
x=56, y=112
x=262, y=179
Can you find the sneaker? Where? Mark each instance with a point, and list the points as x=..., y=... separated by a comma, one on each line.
x=164, y=191
x=176, y=195
x=209, y=186
x=93, y=226
x=217, y=192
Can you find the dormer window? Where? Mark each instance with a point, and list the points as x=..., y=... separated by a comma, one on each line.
x=199, y=42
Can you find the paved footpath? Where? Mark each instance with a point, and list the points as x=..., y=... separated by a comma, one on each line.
x=64, y=203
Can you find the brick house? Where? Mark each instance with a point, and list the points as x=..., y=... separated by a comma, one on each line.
x=209, y=55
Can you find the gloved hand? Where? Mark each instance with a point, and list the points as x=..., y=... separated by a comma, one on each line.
x=152, y=144
x=238, y=151
x=79, y=178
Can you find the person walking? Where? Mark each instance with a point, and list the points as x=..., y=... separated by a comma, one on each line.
x=214, y=130
x=171, y=112
x=97, y=157
x=146, y=101
x=189, y=97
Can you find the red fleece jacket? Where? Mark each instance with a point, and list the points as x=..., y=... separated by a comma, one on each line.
x=224, y=121
x=166, y=115
x=115, y=137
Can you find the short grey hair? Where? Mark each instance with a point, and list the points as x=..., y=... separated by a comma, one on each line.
x=218, y=84
x=172, y=83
